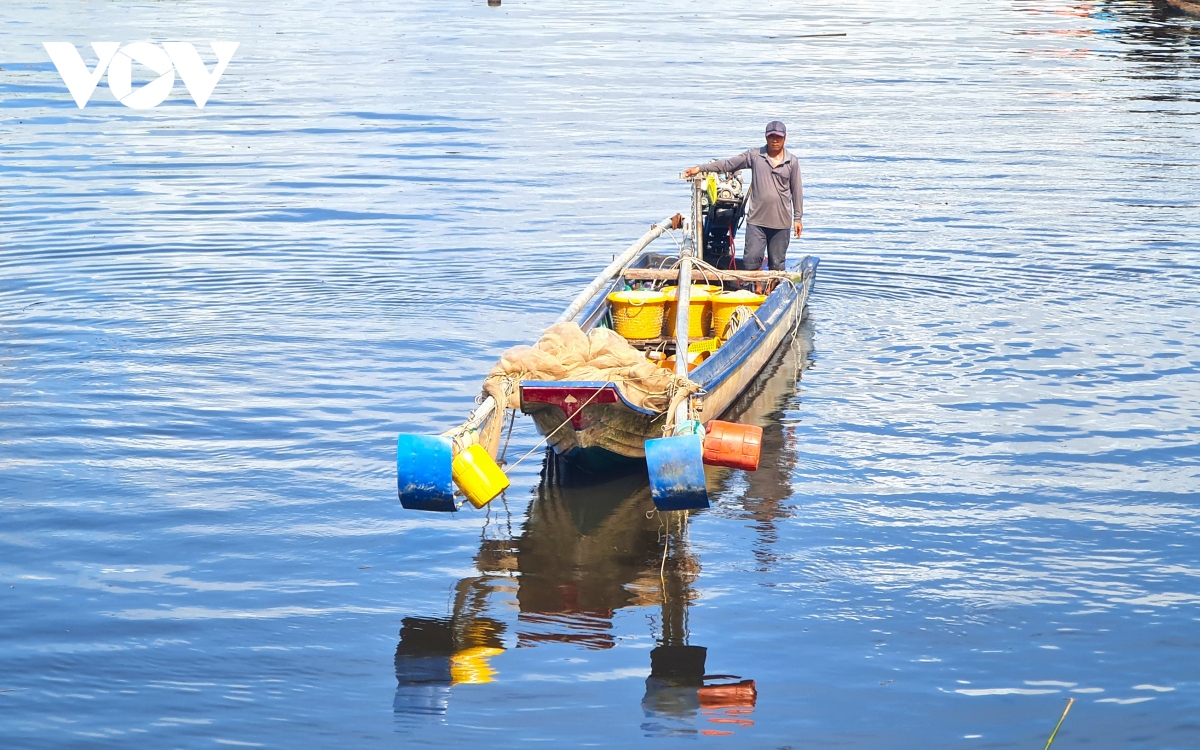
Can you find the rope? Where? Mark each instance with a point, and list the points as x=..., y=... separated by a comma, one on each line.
x=662, y=567
x=512, y=417
x=677, y=242
x=698, y=265
x=683, y=390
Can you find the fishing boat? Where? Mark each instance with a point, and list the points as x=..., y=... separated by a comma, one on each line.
x=665, y=342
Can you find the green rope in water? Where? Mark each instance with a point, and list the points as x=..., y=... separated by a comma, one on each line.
x=1054, y=734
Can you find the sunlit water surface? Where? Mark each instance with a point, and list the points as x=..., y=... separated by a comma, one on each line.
x=979, y=499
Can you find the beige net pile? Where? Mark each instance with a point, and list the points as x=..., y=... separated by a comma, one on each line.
x=565, y=352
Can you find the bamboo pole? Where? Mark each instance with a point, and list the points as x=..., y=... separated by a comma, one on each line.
x=683, y=299
x=1070, y=702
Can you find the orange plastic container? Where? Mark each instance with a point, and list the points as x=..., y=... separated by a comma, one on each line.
x=738, y=695
x=736, y=446
x=694, y=360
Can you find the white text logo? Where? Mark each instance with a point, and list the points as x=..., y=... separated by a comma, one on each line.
x=166, y=61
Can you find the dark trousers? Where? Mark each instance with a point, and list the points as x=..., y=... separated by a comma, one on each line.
x=762, y=241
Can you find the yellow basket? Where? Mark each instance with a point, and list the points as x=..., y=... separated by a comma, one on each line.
x=699, y=311
x=638, y=314
x=725, y=303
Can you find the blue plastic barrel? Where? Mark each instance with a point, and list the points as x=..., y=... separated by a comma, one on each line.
x=676, y=466
x=423, y=479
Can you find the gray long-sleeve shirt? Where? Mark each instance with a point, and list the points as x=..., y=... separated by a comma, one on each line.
x=776, y=193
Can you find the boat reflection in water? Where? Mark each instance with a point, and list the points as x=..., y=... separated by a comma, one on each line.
x=588, y=549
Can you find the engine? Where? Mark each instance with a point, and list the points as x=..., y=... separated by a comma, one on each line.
x=723, y=203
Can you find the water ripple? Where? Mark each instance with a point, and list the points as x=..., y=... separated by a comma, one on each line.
x=978, y=500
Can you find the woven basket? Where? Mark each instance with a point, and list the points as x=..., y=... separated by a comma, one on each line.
x=725, y=303
x=637, y=314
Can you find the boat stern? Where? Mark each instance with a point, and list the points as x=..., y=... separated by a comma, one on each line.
x=589, y=414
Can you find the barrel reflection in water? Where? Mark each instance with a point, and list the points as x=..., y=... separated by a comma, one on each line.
x=587, y=550
x=437, y=653
x=765, y=493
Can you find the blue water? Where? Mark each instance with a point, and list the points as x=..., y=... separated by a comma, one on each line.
x=979, y=490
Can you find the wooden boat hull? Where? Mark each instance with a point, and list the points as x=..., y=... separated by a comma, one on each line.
x=608, y=424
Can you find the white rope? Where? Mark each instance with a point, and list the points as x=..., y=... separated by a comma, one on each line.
x=556, y=429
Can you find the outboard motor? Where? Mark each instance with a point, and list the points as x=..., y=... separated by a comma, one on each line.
x=724, y=207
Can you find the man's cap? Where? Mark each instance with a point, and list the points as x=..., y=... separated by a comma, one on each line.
x=775, y=127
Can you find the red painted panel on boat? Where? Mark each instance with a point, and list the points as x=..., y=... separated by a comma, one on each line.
x=570, y=399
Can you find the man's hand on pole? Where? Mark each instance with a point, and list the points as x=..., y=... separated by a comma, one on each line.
x=691, y=172
x=799, y=227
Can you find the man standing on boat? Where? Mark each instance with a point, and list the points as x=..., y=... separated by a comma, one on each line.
x=776, y=197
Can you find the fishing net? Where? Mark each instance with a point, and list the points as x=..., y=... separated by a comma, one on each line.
x=565, y=352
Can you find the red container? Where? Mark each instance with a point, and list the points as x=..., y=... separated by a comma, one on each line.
x=736, y=446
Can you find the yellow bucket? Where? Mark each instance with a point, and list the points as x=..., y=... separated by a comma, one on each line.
x=699, y=311
x=477, y=475
x=725, y=303
x=471, y=667
x=638, y=314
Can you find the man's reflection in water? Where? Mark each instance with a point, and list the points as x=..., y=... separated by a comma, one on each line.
x=678, y=691
x=586, y=551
